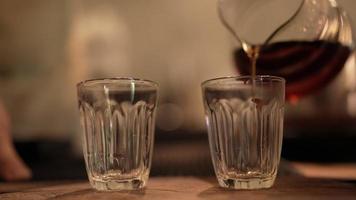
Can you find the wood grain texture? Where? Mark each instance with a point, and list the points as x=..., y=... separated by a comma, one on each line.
x=189, y=188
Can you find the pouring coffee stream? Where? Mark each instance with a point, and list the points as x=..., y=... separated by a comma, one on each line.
x=307, y=65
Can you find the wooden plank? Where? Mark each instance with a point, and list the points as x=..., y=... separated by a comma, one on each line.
x=189, y=188
x=344, y=171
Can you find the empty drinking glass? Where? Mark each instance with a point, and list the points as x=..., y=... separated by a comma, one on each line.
x=244, y=117
x=117, y=117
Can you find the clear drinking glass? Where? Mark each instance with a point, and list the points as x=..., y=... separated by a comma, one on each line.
x=244, y=117
x=117, y=117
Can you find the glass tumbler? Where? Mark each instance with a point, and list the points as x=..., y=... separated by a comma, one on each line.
x=244, y=117
x=117, y=118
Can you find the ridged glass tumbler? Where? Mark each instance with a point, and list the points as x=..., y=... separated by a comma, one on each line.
x=117, y=118
x=244, y=117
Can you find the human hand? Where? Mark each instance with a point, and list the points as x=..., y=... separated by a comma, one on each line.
x=12, y=168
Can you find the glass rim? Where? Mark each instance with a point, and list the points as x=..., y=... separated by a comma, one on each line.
x=241, y=77
x=85, y=83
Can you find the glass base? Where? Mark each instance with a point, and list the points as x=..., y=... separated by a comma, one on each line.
x=247, y=183
x=118, y=185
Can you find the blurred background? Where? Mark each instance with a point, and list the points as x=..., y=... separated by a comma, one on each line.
x=48, y=46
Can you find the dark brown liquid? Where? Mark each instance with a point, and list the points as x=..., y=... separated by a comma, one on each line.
x=306, y=66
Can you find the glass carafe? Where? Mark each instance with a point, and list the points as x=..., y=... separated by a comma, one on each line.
x=309, y=43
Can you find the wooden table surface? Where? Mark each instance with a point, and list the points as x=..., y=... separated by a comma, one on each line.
x=287, y=187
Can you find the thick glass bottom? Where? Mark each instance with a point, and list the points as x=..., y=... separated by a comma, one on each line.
x=247, y=183
x=118, y=185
